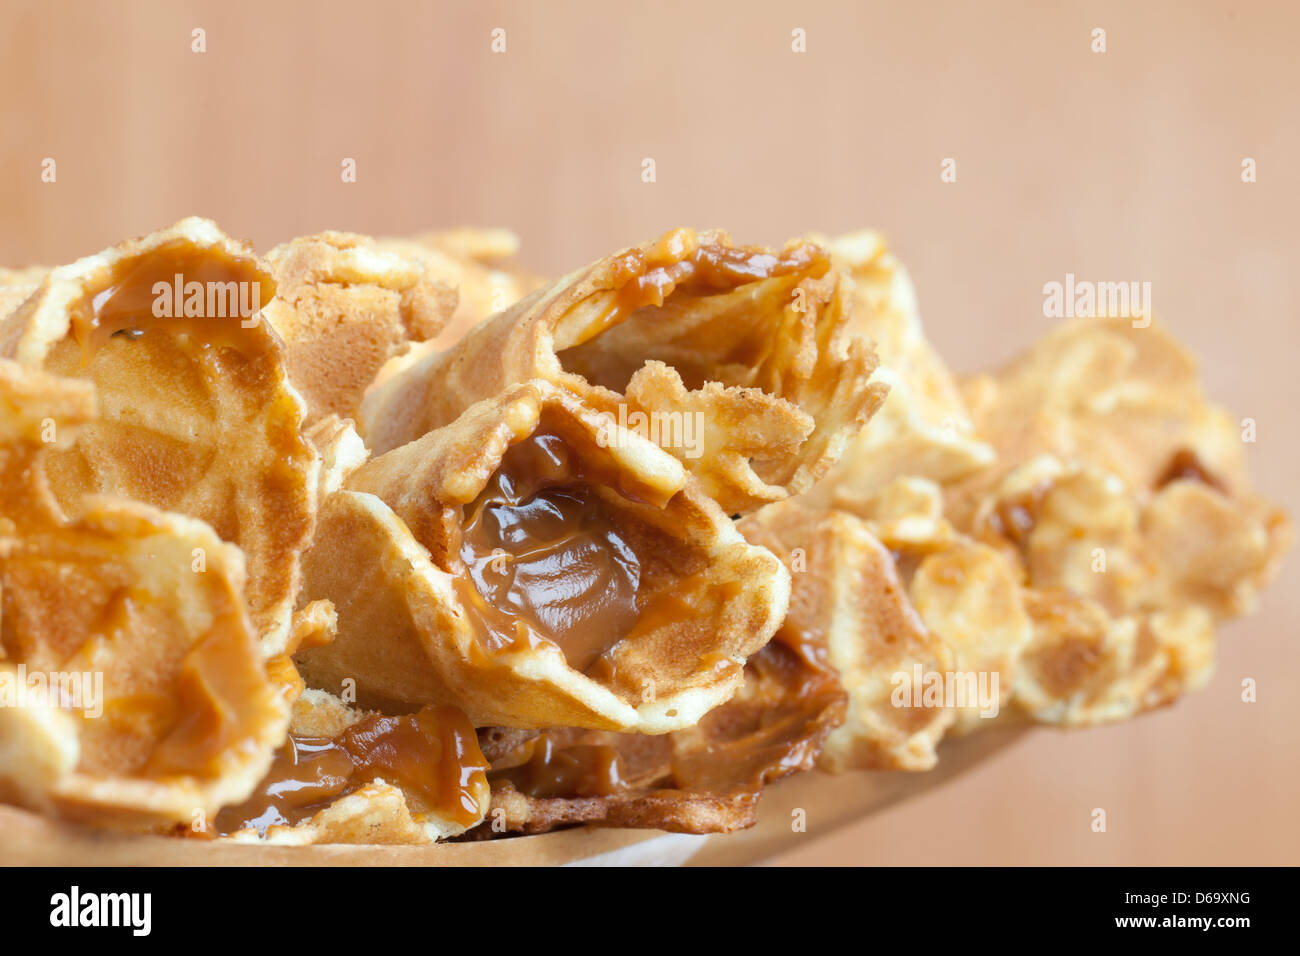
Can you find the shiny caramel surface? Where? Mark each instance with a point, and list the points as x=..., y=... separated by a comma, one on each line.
x=432, y=755
x=204, y=290
x=553, y=768
x=775, y=726
x=546, y=561
x=679, y=261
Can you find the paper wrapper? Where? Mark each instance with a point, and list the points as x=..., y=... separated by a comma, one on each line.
x=828, y=803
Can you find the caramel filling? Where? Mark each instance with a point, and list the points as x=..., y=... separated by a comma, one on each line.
x=432, y=755
x=793, y=699
x=680, y=261
x=680, y=265
x=555, y=770
x=547, y=562
x=180, y=288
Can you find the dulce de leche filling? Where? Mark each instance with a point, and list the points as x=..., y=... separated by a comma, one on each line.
x=794, y=699
x=547, y=562
x=680, y=260
x=550, y=769
x=181, y=288
x=685, y=265
x=432, y=755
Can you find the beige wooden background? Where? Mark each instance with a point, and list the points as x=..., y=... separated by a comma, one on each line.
x=1115, y=166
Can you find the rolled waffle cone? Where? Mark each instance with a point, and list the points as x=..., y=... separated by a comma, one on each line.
x=388, y=554
x=164, y=710
x=197, y=413
x=343, y=307
x=820, y=694
x=687, y=328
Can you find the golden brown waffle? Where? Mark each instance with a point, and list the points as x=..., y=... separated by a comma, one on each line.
x=159, y=708
x=704, y=779
x=197, y=412
x=343, y=307
x=412, y=503
x=415, y=626
x=751, y=341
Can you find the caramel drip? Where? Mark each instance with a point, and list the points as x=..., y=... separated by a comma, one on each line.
x=432, y=755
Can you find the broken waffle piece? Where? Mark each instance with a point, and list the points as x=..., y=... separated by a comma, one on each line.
x=534, y=569
x=478, y=264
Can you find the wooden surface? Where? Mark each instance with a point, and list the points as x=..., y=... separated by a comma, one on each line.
x=1116, y=166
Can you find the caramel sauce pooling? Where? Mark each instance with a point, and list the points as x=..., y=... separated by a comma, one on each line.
x=432, y=755
x=230, y=290
x=547, y=563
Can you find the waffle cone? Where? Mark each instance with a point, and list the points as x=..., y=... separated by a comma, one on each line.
x=751, y=341
x=387, y=556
